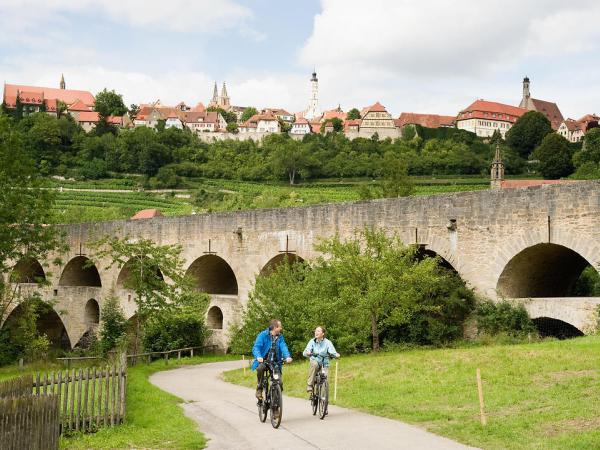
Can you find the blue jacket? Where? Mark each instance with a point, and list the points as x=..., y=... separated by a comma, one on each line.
x=262, y=345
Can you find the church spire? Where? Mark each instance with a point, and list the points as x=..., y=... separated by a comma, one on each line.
x=497, y=172
x=224, y=97
x=62, y=81
x=215, y=98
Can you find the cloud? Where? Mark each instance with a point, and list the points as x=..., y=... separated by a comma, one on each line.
x=198, y=16
x=451, y=38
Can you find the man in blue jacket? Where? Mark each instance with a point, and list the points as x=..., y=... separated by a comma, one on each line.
x=270, y=344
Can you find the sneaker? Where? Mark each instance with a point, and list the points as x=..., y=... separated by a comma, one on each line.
x=258, y=393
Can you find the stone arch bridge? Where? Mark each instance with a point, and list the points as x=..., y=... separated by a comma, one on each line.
x=530, y=243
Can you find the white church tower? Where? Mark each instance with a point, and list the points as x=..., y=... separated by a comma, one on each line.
x=313, y=111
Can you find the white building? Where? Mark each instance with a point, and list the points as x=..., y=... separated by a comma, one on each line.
x=261, y=123
x=483, y=118
x=313, y=111
x=204, y=122
x=300, y=127
x=574, y=130
x=173, y=122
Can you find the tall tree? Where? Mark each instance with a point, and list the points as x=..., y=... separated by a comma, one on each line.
x=527, y=132
x=555, y=156
x=248, y=112
x=353, y=114
x=25, y=211
x=109, y=103
x=290, y=157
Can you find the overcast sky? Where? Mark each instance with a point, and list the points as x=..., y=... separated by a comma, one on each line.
x=430, y=56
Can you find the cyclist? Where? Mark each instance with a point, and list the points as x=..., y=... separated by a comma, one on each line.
x=322, y=347
x=270, y=344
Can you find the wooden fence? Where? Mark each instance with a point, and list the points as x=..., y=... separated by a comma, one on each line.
x=29, y=422
x=89, y=398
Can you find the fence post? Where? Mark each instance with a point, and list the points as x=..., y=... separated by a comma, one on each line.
x=166, y=358
x=244, y=364
x=335, y=382
x=192, y=352
x=480, y=392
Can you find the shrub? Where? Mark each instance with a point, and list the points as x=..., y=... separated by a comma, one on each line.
x=114, y=325
x=173, y=329
x=503, y=317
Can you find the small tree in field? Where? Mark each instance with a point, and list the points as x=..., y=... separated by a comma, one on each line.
x=148, y=265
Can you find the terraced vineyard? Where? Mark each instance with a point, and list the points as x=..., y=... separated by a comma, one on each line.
x=206, y=195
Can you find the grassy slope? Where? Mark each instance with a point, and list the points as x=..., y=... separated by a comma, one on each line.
x=538, y=396
x=154, y=419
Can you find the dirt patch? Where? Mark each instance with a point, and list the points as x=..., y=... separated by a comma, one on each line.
x=571, y=425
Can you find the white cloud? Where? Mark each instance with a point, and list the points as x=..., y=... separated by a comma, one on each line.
x=198, y=16
x=450, y=38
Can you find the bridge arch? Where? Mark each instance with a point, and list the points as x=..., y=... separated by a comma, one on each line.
x=277, y=260
x=28, y=270
x=91, y=313
x=424, y=252
x=78, y=272
x=213, y=275
x=541, y=270
x=48, y=322
x=552, y=327
x=125, y=275
x=214, y=318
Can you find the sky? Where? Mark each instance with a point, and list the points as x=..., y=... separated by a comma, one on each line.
x=426, y=56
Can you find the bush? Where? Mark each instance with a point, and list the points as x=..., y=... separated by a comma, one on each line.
x=503, y=317
x=173, y=329
x=114, y=325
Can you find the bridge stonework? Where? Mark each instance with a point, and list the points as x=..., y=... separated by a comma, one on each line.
x=518, y=241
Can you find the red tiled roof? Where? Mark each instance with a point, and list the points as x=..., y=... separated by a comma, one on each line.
x=574, y=125
x=483, y=109
x=334, y=114
x=51, y=104
x=198, y=108
x=88, y=116
x=147, y=214
x=301, y=121
x=78, y=105
x=376, y=107
x=425, y=120
x=68, y=96
x=550, y=110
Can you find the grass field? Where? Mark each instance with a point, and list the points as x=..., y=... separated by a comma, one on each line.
x=538, y=396
x=144, y=426
x=223, y=195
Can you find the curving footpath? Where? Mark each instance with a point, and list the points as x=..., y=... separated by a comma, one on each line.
x=227, y=415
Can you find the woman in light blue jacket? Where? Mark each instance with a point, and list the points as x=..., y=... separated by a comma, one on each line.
x=319, y=350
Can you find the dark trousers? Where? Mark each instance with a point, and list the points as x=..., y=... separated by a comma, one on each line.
x=260, y=374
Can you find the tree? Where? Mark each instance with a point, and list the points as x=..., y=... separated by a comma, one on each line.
x=25, y=211
x=290, y=157
x=232, y=127
x=114, y=325
x=248, y=112
x=554, y=155
x=109, y=103
x=353, y=114
x=148, y=265
x=229, y=116
x=338, y=125
x=527, y=132
x=133, y=111
x=590, y=151
x=395, y=182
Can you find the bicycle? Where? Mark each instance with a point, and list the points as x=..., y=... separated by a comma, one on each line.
x=319, y=398
x=272, y=401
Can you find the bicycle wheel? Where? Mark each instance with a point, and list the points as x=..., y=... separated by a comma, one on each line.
x=323, y=399
x=263, y=405
x=314, y=399
x=276, y=405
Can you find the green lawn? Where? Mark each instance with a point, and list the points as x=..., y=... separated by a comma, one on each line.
x=538, y=396
x=154, y=419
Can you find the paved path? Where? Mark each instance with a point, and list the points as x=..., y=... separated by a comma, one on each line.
x=227, y=415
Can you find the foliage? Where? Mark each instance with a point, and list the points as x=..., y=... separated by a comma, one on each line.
x=588, y=284
x=229, y=116
x=25, y=209
x=527, y=132
x=395, y=179
x=290, y=158
x=114, y=324
x=554, y=155
x=503, y=317
x=180, y=328
x=366, y=290
x=587, y=160
x=232, y=127
x=336, y=123
x=353, y=114
x=248, y=113
x=109, y=103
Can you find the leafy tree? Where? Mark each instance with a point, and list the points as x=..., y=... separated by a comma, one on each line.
x=109, y=103
x=232, y=127
x=395, y=182
x=134, y=110
x=503, y=317
x=554, y=155
x=590, y=151
x=368, y=289
x=148, y=266
x=338, y=125
x=114, y=325
x=290, y=158
x=25, y=209
x=248, y=113
x=229, y=116
x=527, y=132
x=353, y=114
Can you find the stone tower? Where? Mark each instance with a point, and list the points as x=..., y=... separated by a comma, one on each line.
x=313, y=111
x=497, y=173
x=62, y=81
x=526, y=94
x=224, y=99
x=215, y=98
